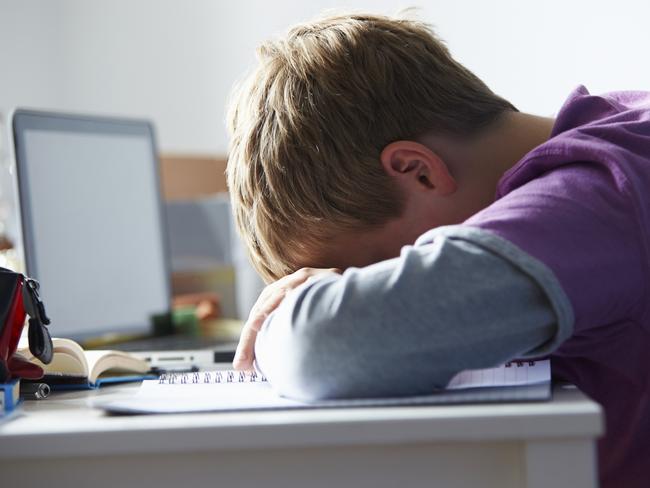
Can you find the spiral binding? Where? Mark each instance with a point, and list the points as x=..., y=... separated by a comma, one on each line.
x=230, y=376
x=518, y=363
x=211, y=377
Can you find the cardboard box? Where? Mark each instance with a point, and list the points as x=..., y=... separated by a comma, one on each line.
x=185, y=176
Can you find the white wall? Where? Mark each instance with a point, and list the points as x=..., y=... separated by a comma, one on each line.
x=175, y=61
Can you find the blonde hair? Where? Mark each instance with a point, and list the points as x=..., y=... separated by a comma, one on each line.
x=308, y=125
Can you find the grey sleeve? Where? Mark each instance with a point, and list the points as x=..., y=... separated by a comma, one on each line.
x=461, y=298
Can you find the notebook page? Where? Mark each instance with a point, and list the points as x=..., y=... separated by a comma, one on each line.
x=230, y=390
x=510, y=374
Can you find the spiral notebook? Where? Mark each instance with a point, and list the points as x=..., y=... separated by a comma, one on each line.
x=212, y=391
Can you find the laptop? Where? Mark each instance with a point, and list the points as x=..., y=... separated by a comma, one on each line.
x=94, y=234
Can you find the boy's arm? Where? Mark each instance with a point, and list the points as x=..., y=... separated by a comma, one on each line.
x=467, y=300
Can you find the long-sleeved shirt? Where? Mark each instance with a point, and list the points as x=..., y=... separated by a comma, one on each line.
x=460, y=298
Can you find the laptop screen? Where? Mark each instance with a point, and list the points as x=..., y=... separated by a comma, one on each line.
x=92, y=226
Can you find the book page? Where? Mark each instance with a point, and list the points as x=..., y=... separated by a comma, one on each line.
x=68, y=357
x=100, y=362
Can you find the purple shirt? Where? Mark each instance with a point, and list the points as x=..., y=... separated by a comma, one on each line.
x=580, y=203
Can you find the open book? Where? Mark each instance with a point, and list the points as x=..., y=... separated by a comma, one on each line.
x=233, y=390
x=73, y=367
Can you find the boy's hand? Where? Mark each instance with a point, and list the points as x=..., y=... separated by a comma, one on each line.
x=269, y=300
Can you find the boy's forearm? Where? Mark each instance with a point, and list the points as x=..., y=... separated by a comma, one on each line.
x=405, y=326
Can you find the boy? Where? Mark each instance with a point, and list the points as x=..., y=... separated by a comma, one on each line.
x=460, y=232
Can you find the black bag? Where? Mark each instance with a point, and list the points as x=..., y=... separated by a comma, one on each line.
x=19, y=298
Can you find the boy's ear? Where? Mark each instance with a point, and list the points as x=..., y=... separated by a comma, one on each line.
x=417, y=167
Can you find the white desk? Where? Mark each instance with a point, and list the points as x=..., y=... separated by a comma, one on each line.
x=533, y=445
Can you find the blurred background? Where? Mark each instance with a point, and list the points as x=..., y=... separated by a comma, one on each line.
x=175, y=62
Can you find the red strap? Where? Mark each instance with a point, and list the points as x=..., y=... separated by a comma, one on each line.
x=20, y=368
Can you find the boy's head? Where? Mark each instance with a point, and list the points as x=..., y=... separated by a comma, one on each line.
x=309, y=128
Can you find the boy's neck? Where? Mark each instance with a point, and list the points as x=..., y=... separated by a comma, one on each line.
x=478, y=163
x=512, y=138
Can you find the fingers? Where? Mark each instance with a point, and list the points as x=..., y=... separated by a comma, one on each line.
x=245, y=354
x=268, y=301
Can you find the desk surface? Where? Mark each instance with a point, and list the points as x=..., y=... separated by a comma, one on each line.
x=66, y=424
